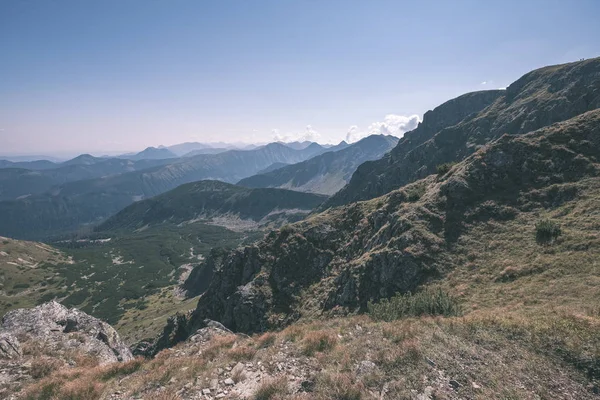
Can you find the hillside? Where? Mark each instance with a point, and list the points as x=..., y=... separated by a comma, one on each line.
x=461, y=126
x=326, y=173
x=75, y=205
x=215, y=202
x=26, y=272
x=336, y=262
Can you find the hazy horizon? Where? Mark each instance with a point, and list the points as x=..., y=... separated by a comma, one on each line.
x=115, y=77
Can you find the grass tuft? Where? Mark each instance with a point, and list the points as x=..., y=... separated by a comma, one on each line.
x=318, y=341
x=272, y=389
x=443, y=169
x=546, y=231
x=426, y=302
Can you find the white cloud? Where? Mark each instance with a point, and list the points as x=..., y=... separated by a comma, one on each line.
x=309, y=134
x=484, y=83
x=392, y=124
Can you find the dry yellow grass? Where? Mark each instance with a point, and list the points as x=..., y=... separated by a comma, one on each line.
x=318, y=341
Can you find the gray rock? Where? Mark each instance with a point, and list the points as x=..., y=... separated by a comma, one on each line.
x=58, y=326
x=215, y=324
x=229, y=382
x=9, y=346
x=365, y=368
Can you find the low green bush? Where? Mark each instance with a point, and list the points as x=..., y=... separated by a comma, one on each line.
x=426, y=302
x=442, y=169
x=546, y=231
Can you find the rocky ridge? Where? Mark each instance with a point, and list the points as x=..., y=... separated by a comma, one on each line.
x=458, y=128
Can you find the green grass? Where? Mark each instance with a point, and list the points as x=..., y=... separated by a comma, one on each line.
x=109, y=276
x=426, y=302
x=547, y=230
x=443, y=169
x=111, y=279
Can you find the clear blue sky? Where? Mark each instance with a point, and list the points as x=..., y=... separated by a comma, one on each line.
x=108, y=75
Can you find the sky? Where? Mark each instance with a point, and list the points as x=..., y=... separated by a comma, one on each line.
x=120, y=75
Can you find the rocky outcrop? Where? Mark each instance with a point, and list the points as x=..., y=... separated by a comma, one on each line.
x=458, y=128
x=59, y=327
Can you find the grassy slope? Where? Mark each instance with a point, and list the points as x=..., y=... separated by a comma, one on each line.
x=131, y=276
x=26, y=272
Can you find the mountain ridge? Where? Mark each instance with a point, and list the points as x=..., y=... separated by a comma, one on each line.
x=539, y=98
x=325, y=173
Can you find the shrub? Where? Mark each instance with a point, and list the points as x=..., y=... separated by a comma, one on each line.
x=426, y=302
x=318, y=341
x=442, y=169
x=242, y=353
x=81, y=390
x=338, y=387
x=271, y=389
x=266, y=340
x=217, y=345
x=43, y=367
x=121, y=369
x=415, y=193
x=21, y=286
x=546, y=231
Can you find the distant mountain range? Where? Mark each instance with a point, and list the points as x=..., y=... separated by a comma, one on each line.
x=37, y=204
x=151, y=153
x=215, y=150
x=326, y=173
x=19, y=182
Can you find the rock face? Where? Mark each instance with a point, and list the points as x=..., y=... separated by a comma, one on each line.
x=458, y=128
x=57, y=326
